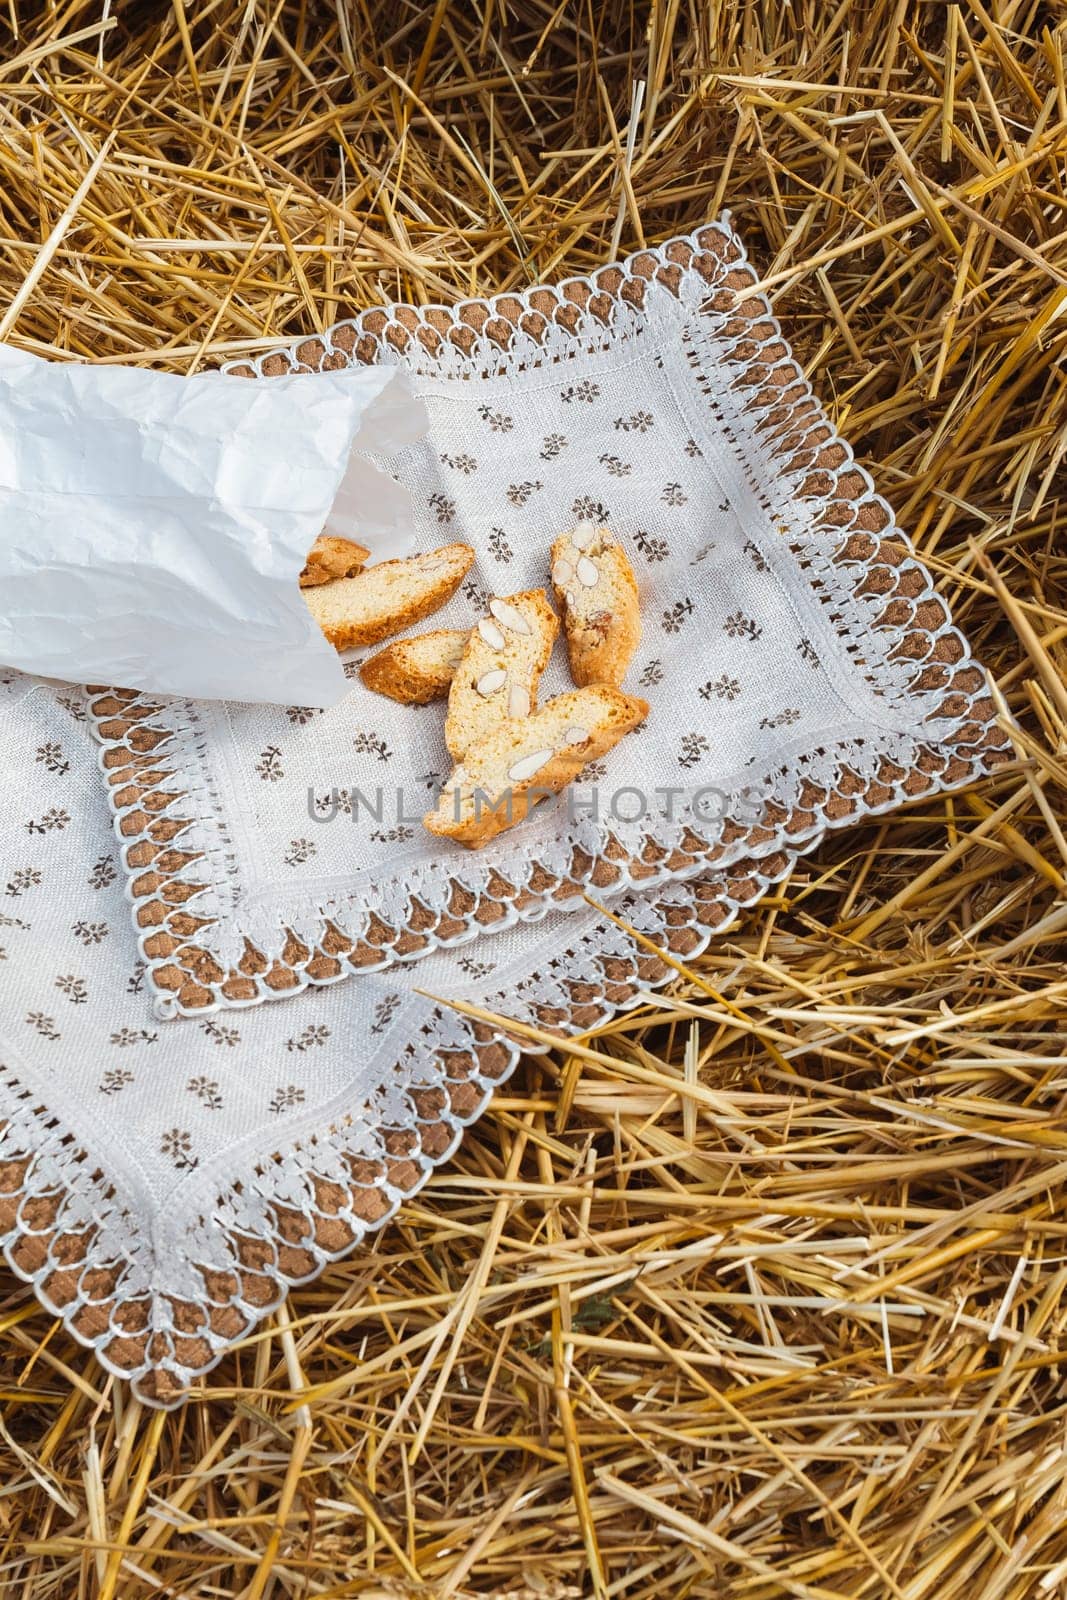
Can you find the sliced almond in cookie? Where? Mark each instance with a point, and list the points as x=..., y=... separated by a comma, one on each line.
x=500, y=670
x=416, y=670
x=525, y=759
x=388, y=597
x=595, y=587
x=330, y=558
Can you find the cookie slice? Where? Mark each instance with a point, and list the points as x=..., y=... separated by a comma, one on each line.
x=388, y=597
x=416, y=670
x=596, y=590
x=500, y=669
x=527, y=758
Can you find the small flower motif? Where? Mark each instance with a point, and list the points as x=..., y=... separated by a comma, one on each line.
x=73, y=704
x=42, y=1024
x=74, y=988
x=103, y=873
x=638, y=422
x=285, y=1097
x=384, y=1012
x=808, y=653
x=756, y=556
x=498, y=421
x=617, y=468
x=135, y=982
x=586, y=392
x=269, y=766
x=651, y=546
x=693, y=449
x=115, y=1079
x=586, y=509
x=498, y=544
x=314, y=1035
x=51, y=758
x=444, y=509
x=694, y=745
x=724, y=688
x=676, y=615
x=300, y=850
x=206, y=1091
x=53, y=821
x=703, y=553
x=336, y=800
x=127, y=1036
x=519, y=493
x=220, y=1033
x=25, y=878
x=551, y=446
x=651, y=674
x=476, y=969
x=299, y=716
x=351, y=668
x=784, y=719
x=476, y=593
x=371, y=744
x=674, y=495
x=461, y=463
x=738, y=626
x=177, y=1144
x=398, y=835
x=90, y=932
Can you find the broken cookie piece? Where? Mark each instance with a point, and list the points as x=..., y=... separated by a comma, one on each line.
x=330, y=558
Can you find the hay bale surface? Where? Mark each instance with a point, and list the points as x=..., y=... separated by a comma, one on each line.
x=761, y=1291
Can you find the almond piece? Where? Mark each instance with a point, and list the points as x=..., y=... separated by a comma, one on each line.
x=491, y=634
x=529, y=766
x=509, y=616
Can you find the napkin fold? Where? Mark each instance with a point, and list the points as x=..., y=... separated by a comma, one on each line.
x=152, y=527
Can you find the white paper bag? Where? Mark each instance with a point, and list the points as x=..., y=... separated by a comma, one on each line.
x=152, y=527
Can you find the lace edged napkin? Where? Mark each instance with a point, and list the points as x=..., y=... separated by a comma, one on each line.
x=799, y=668
x=162, y=1185
x=163, y=1182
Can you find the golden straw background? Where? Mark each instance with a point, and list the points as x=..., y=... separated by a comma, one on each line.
x=760, y=1292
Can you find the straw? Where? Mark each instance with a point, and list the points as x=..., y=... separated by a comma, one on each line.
x=759, y=1289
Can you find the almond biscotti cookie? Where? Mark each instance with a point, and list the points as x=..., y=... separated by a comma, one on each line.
x=501, y=667
x=330, y=558
x=416, y=670
x=527, y=758
x=389, y=597
x=596, y=590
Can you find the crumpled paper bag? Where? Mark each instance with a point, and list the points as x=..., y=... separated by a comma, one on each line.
x=152, y=527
